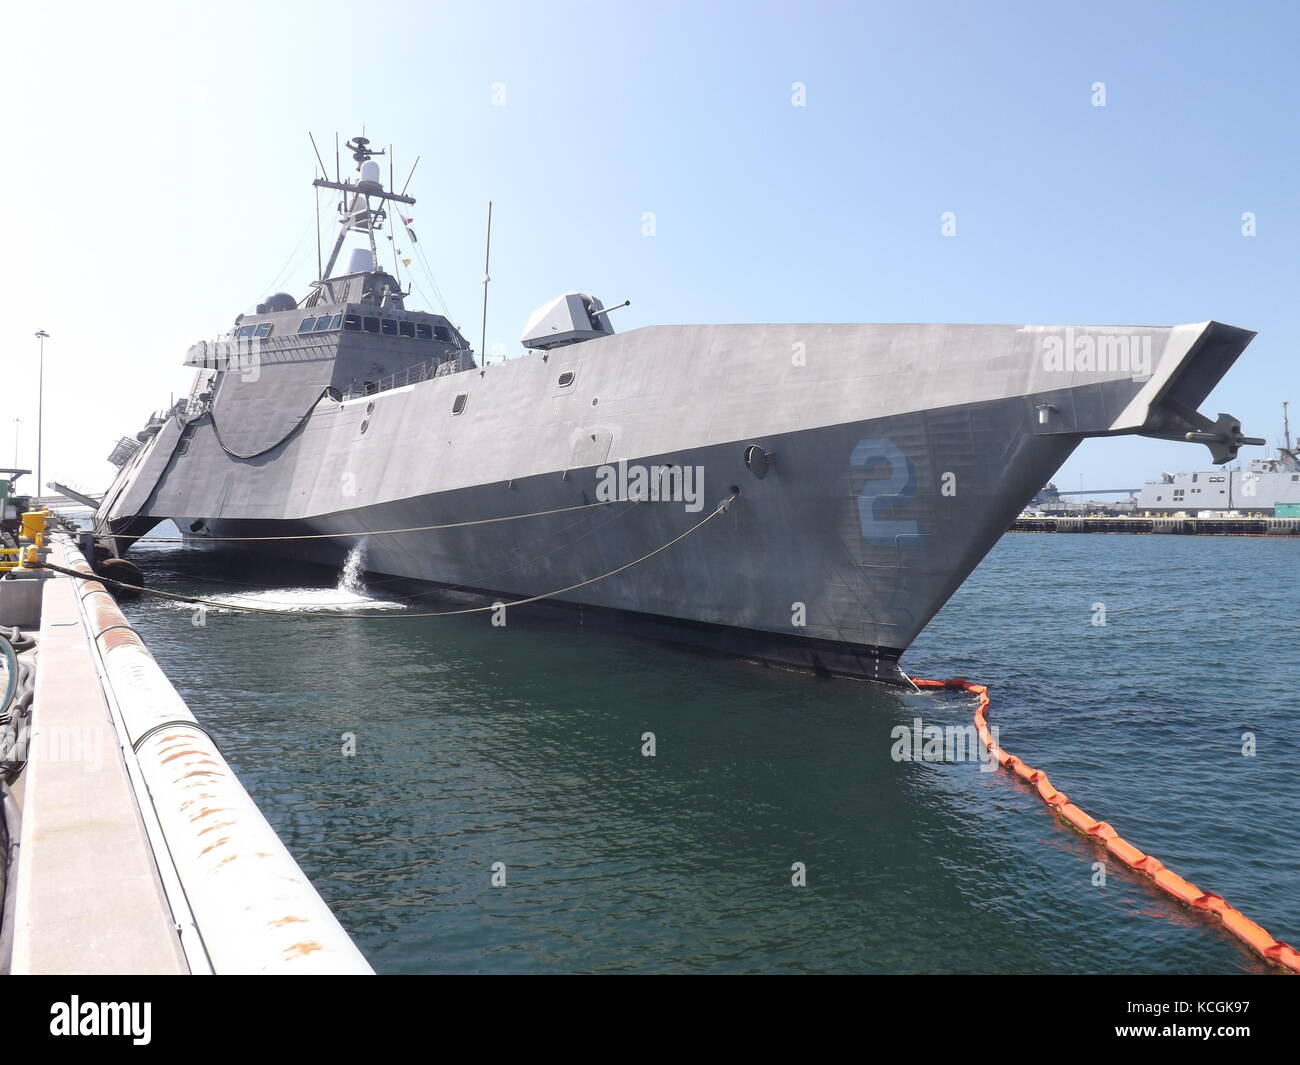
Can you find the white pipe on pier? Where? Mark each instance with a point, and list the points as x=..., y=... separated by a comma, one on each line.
x=254, y=908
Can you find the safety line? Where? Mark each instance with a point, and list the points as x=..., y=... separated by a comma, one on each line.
x=372, y=583
x=216, y=429
x=345, y=535
x=371, y=616
x=1242, y=927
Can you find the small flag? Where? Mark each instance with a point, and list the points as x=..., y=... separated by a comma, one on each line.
x=406, y=222
x=406, y=262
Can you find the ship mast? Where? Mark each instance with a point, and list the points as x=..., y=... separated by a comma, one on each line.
x=357, y=213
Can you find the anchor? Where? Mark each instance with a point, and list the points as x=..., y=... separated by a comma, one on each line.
x=1223, y=436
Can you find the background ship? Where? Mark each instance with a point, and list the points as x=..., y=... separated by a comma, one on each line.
x=1265, y=486
x=872, y=466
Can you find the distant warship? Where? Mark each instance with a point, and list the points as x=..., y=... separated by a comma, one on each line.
x=872, y=466
x=1265, y=486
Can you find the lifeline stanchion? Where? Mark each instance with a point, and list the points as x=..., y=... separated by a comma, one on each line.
x=1242, y=927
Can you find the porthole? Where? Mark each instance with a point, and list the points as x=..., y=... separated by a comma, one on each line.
x=365, y=425
x=566, y=379
x=370, y=407
x=459, y=405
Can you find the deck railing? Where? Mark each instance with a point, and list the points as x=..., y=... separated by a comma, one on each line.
x=423, y=371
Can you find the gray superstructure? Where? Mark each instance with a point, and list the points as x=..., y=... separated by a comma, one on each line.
x=873, y=465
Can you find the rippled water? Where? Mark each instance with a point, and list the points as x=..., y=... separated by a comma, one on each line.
x=477, y=745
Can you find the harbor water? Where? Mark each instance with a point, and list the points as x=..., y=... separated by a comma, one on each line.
x=412, y=765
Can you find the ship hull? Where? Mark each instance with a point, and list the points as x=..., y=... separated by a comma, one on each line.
x=810, y=566
x=845, y=534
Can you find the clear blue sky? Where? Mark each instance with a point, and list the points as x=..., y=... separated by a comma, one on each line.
x=159, y=174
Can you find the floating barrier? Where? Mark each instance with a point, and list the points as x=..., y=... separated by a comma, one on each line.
x=1237, y=923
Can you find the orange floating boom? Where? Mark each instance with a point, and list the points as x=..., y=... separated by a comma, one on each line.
x=1237, y=923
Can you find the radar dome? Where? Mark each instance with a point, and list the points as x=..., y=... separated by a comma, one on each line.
x=361, y=261
x=370, y=177
x=280, y=301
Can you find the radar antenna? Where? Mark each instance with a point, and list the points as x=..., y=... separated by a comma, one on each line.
x=361, y=150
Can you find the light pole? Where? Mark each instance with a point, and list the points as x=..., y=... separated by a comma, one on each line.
x=41, y=337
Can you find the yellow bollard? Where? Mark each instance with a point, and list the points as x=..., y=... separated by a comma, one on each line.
x=31, y=538
x=33, y=526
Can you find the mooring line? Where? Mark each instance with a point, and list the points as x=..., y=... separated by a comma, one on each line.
x=146, y=539
x=1237, y=923
x=90, y=575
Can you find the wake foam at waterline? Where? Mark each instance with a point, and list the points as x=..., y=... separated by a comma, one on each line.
x=348, y=596
x=303, y=599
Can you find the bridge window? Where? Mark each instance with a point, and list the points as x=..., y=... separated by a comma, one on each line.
x=352, y=322
x=306, y=325
x=390, y=327
x=246, y=331
x=442, y=333
x=423, y=331
x=407, y=329
x=263, y=330
x=322, y=323
x=371, y=323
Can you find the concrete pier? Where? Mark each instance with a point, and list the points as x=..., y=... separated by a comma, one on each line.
x=139, y=850
x=1178, y=526
x=89, y=897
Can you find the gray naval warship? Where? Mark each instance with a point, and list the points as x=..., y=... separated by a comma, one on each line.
x=1269, y=486
x=869, y=467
